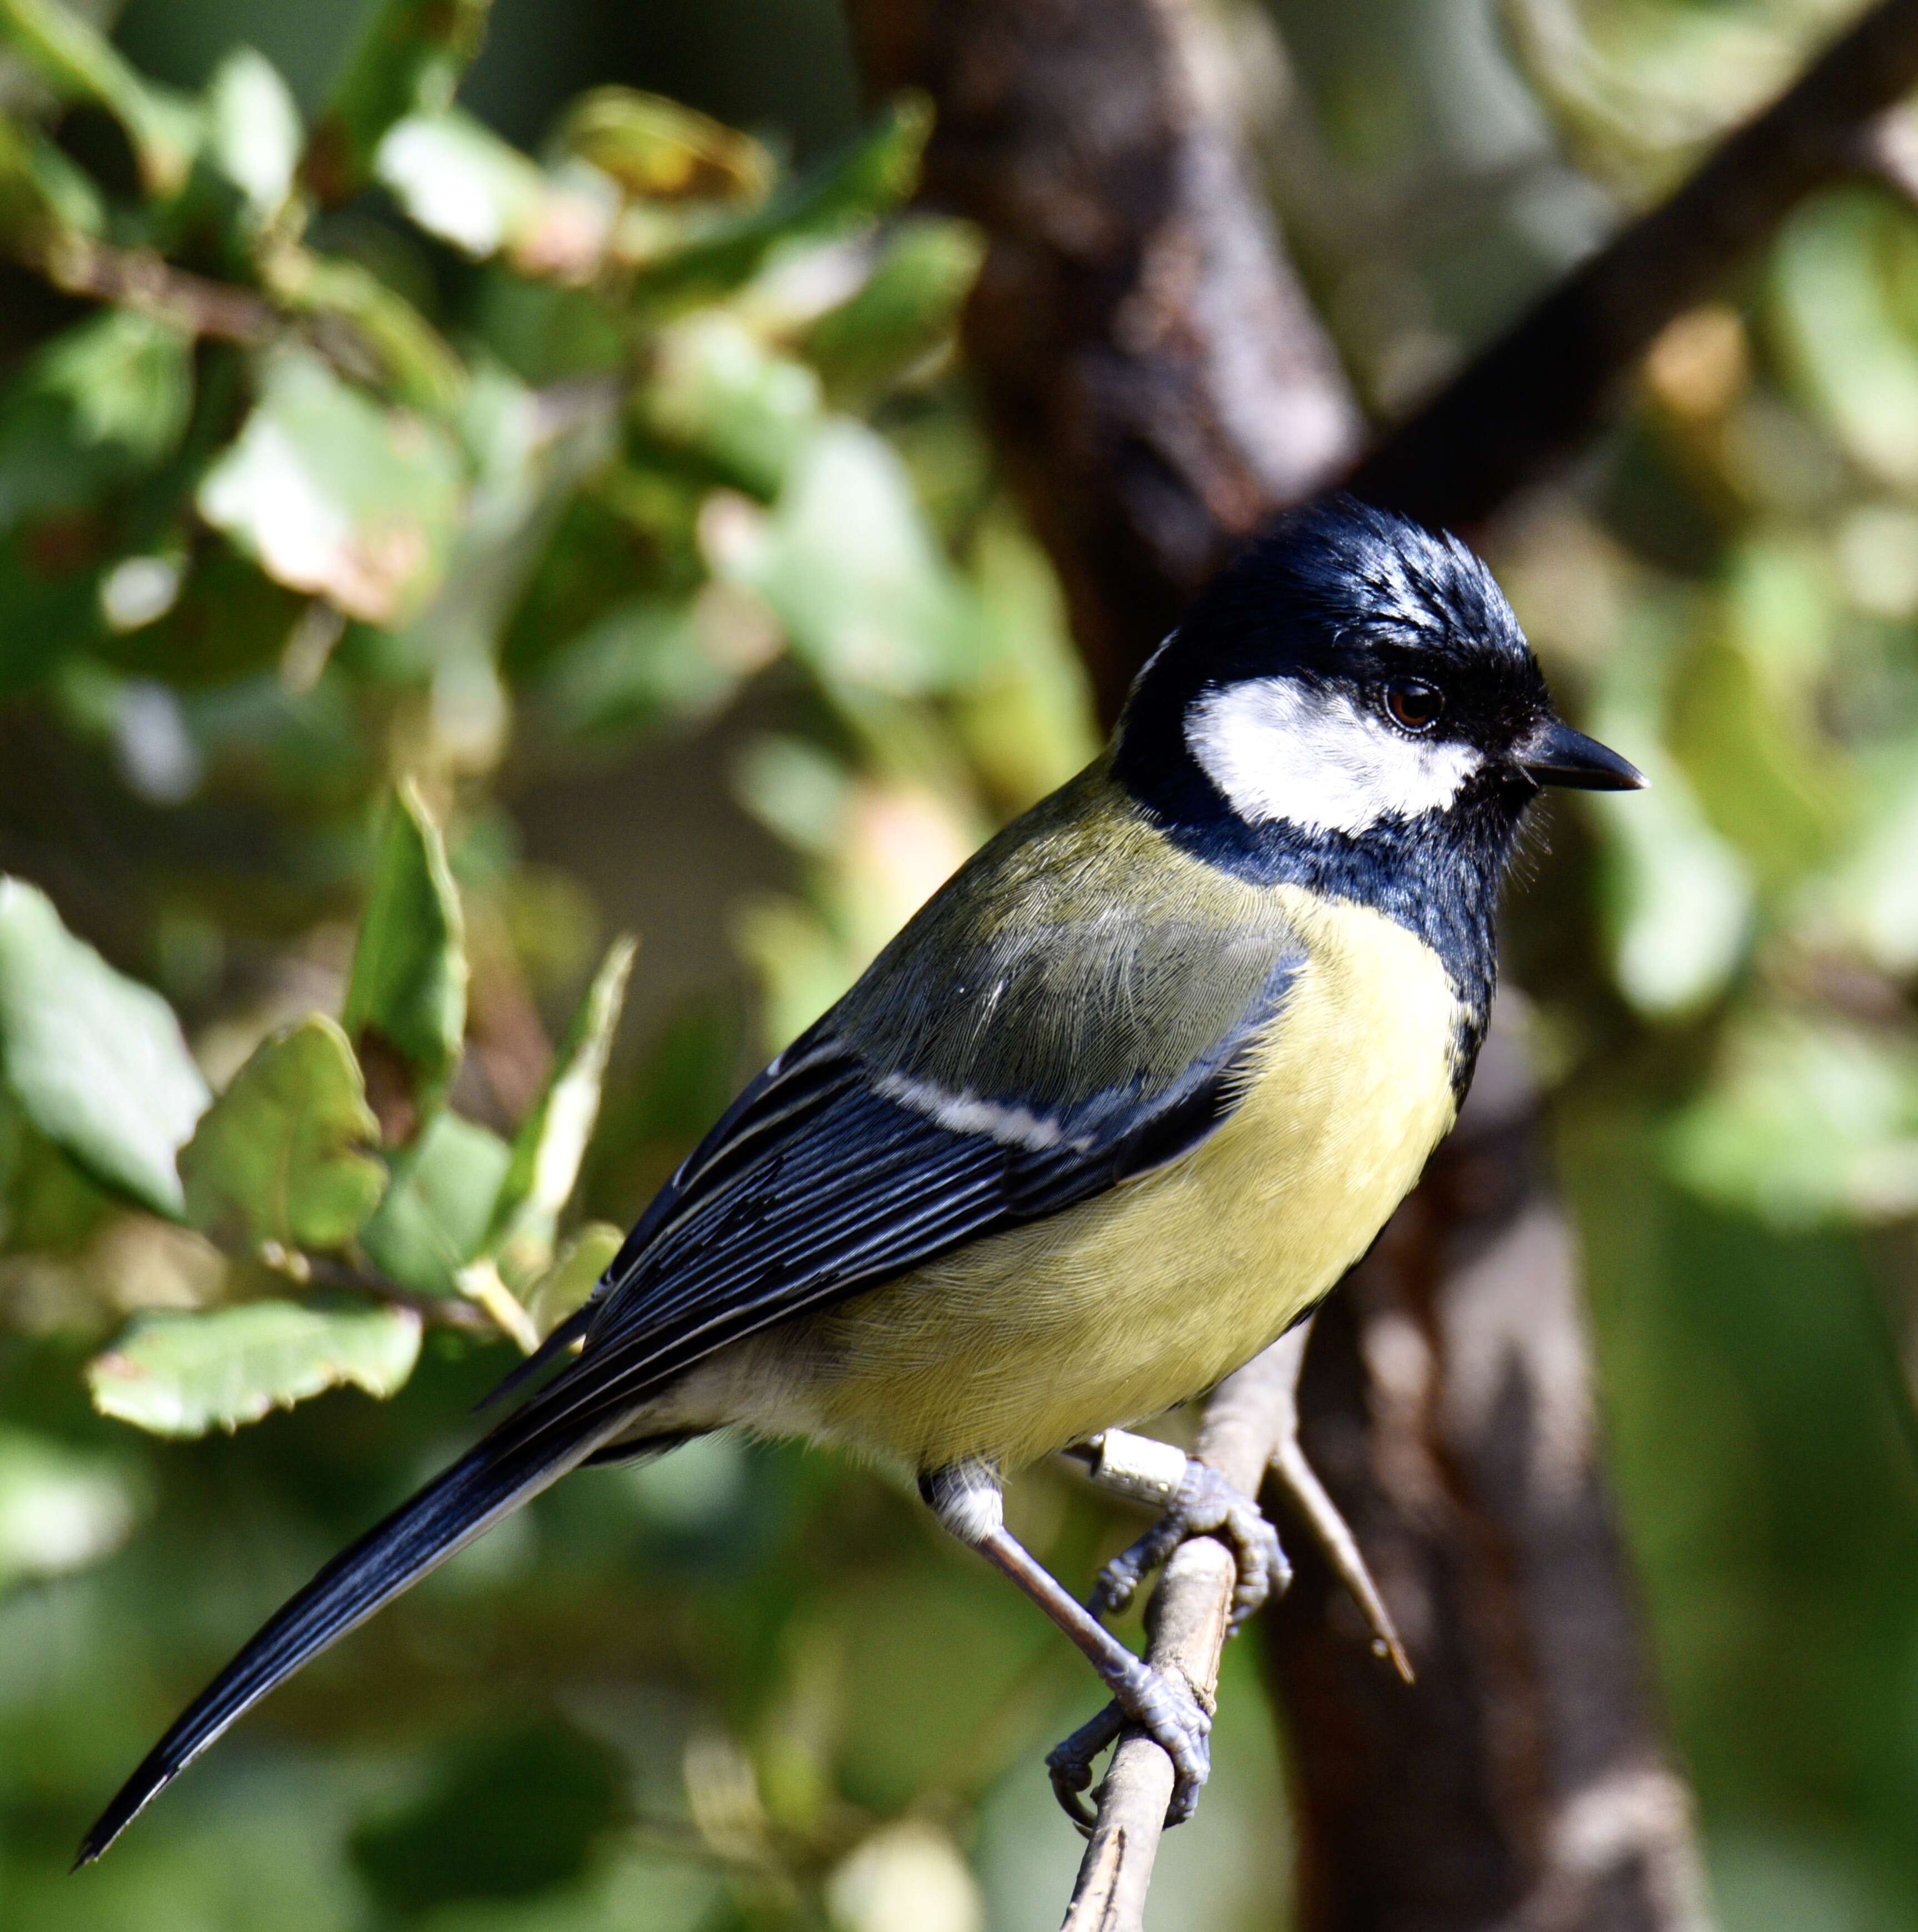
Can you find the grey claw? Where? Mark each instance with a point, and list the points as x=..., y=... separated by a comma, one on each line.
x=1163, y=1707
x=1206, y=1505
x=1069, y=1763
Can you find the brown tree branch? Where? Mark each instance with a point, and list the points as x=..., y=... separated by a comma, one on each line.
x=1159, y=388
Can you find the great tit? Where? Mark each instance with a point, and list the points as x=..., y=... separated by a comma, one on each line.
x=1122, y=1101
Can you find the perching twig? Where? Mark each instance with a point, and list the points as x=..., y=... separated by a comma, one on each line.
x=1186, y=1618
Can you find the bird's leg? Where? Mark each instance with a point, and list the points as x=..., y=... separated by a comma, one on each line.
x=1193, y=1500
x=968, y=1500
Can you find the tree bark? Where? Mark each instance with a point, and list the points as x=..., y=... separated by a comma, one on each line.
x=1160, y=387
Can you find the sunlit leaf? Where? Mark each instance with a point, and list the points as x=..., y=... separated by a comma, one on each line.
x=405, y=1008
x=552, y=1139
x=714, y=389
x=574, y=1274
x=334, y=494
x=847, y=562
x=658, y=149
x=1678, y=899
x=435, y=1215
x=184, y=1375
x=909, y=305
x=874, y=177
x=61, y=1509
x=283, y=1155
x=95, y=1060
x=459, y=180
x=408, y=59
x=1837, y=267
x=254, y=130
x=1809, y=1120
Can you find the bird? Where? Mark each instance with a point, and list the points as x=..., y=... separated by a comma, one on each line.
x=1118, y=1106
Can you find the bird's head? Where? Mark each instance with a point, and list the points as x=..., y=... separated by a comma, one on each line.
x=1351, y=675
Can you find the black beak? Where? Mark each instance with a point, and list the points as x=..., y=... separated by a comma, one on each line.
x=1555, y=754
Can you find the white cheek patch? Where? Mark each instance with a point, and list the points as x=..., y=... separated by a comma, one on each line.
x=1279, y=749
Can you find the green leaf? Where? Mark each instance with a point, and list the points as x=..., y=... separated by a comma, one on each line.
x=877, y=174
x=552, y=1139
x=459, y=180
x=716, y=391
x=105, y=402
x=856, y=578
x=281, y=1155
x=60, y=1509
x=574, y=1275
x=1808, y=1120
x=80, y=65
x=655, y=149
x=333, y=493
x=184, y=1375
x=409, y=59
x=405, y=1008
x=95, y=1060
x=909, y=306
x=254, y=131
x=435, y=1214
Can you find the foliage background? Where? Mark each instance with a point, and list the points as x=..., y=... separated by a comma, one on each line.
x=622, y=497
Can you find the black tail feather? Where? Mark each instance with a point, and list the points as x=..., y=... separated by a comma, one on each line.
x=512, y=1464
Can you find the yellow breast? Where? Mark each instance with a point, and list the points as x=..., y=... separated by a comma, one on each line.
x=1144, y=1297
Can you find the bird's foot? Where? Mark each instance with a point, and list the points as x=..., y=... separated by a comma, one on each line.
x=1166, y=1708
x=1204, y=1504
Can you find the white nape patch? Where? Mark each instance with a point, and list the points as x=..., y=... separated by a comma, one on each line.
x=965, y=1113
x=1281, y=750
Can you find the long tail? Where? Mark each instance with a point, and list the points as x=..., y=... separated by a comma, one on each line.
x=513, y=1464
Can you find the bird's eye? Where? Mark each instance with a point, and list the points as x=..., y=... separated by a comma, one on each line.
x=1413, y=705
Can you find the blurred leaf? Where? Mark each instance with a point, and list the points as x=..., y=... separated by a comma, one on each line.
x=909, y=306
x=1677, y=899
x=409, y=59
x=334, y=494
x=1872, y=896
x=45, y=200
x=1845, y=285
x=657, y=149
x=254, y=131
x=847, y=562
x=801, y=967
x=1027, y=718
x=422, y=370
x=80, y=65
x=575, y=1273
x=503, y=1818
x=876, y=175
x=551, y=1141
x=96, y=1061
x=1808, y=1120
x=101, y=403
x=715, y=390
x=184, y=1375
x=436, y=1213
x=1746, y=753
x=459, y=180
x=60, y=1509
x=646, y=662
x=405, y=1008
x=282, y=1155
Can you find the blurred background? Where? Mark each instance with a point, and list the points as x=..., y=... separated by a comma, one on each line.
x=621, y=490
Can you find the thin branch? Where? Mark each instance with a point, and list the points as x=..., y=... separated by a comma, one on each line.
x=139, y=279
